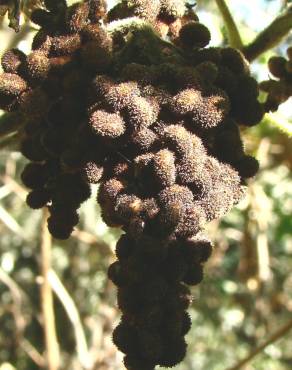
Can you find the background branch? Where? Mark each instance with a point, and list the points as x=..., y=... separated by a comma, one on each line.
x=52, y=348
x=19, y=296
x=32, y=352
x=10, y=143
x=73, y=315
x=270, y=36
x=9, y=123
x=232, y=30
x=277, y=335
x=17, y=299
x=281, y=122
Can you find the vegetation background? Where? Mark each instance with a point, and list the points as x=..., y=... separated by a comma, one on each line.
x=247, y=291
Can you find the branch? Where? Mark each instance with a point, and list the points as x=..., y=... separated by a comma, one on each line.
x=233, y=33
x=279, y=121
x=74, y=317
x=269, y=37
x=9, y=123
x=14, y=186
x=9, y=221
x=19, y=296
x=10, y=143
x=52, y=348
x=277, y=335
x=260, y=205
x=32, y=352
x=17, y=299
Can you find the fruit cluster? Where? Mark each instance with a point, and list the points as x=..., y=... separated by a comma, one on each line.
x=278, y=90
x=156, y=124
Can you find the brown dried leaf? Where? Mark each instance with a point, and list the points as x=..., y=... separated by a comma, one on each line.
x=12, y=7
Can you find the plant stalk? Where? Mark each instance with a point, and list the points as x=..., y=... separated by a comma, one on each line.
x=51, y=342
x=270, y=36
x=233, y=33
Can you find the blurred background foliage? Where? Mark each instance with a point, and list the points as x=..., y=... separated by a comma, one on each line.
x=247, y=290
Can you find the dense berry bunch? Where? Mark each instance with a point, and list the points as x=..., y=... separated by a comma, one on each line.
x=50, y=90
x=278, y=90
x=156, y=125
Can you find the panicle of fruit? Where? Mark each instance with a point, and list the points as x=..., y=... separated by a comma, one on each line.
x=156, y=125
x=280, y=89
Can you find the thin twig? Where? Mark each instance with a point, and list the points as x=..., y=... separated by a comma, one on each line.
x=260, y=206
x=15, y=289
x=9, y=123
x=19, y=296
x=84, y=236
x=10, y=222
x=233, y=33
x=92, y=240
x=73, y=315
x=277, y=335
x=4, y=191
x=17, y=299
x=52, y=347
x=270, y=36
x=10, y=143
x=14, y=186
x=33, y=353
